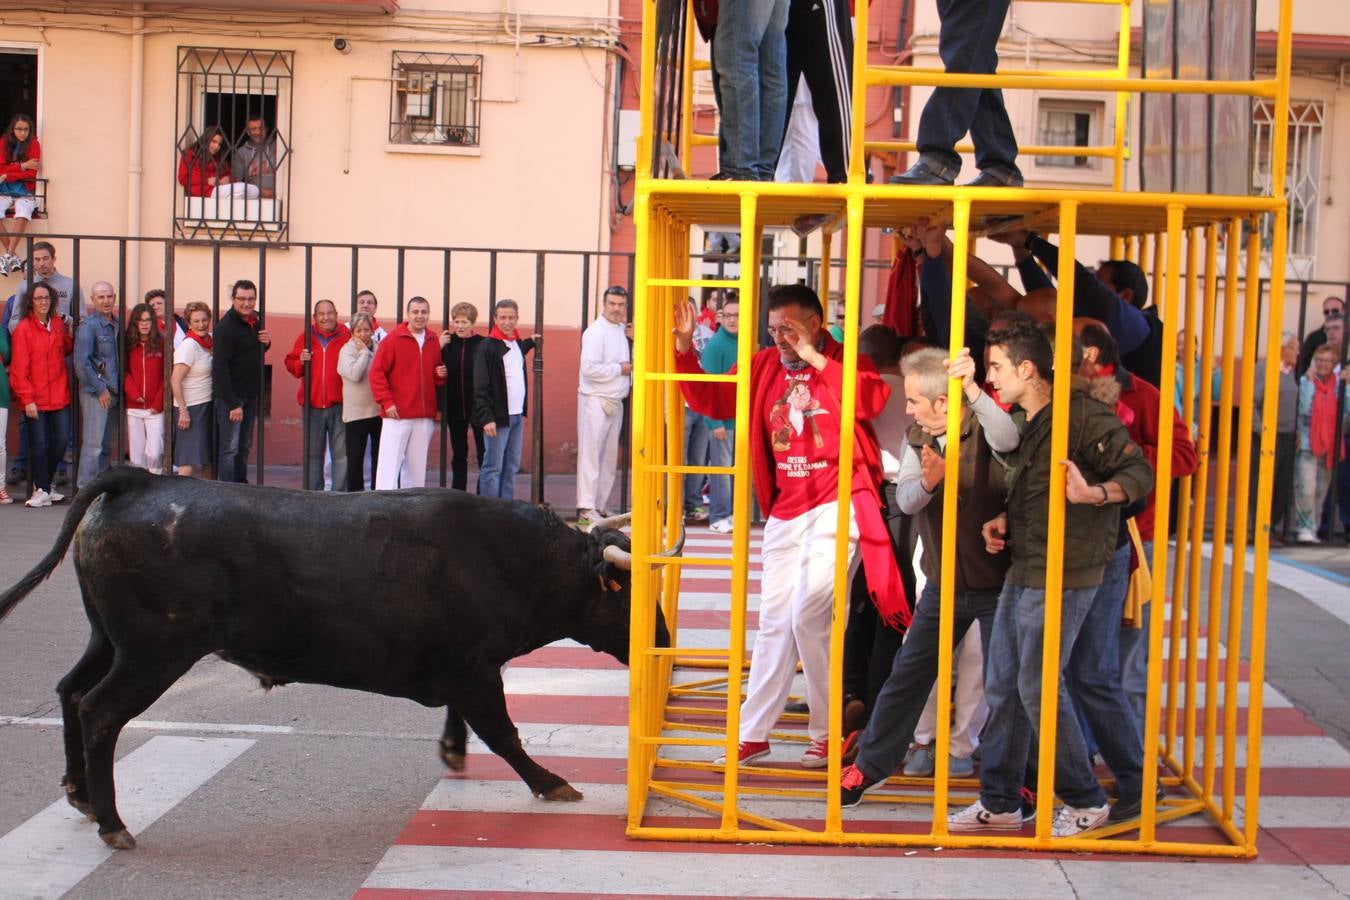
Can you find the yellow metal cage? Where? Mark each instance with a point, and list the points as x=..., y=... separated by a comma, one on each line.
x=1204, y=254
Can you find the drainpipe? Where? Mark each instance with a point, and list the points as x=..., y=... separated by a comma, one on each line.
x=134, y=149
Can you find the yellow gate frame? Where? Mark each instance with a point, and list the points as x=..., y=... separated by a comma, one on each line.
x=1152, y=229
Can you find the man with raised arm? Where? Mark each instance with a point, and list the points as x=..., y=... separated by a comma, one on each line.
x=796, y=391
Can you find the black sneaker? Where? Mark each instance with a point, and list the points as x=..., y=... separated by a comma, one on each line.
x=852, y=785
x=62, y=478
x=16, y=476
x=1125, y=810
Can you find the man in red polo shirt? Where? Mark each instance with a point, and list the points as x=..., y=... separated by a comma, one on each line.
x=796, y=390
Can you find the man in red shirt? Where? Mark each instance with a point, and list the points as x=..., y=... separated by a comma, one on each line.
x=796, y=390
x=403, y=379
x=323, y=414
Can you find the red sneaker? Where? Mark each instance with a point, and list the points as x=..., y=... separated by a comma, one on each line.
x=749, y=751
x=817, y=755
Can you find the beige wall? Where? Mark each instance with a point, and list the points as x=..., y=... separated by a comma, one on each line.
x=536, y=181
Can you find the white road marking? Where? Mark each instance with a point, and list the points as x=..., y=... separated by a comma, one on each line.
x=152, y=725
x=1323, y=592
x=600, y=872
x=55, y=849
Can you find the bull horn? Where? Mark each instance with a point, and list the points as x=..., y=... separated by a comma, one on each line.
x=678, y=549
x=613, y=521
x=618, y=558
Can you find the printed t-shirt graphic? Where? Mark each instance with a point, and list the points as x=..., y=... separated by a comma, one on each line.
x=804, y=430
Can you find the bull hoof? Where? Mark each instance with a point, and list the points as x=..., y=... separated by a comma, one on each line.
x=453, y=761
x=82, y=806
x=119, y=840
x=563, y=791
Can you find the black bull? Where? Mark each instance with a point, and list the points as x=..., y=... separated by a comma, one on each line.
x=419, y=594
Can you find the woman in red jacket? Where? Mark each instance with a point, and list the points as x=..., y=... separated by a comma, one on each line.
x=20, y=160
x=42, y=341
x=143, y=387
x=204, y=169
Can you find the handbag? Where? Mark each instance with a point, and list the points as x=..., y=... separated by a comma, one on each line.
x=1140, y=590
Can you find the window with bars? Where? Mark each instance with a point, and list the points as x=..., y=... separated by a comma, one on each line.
x=1303, y=177
x=232, y=143
x=1066, y=123
x=436, y=98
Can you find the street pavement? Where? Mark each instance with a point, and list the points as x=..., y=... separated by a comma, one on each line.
x=308, y=791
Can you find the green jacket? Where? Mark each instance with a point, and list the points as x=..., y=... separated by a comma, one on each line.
x=4, y=370
x=1103, y=451
x=718, y=357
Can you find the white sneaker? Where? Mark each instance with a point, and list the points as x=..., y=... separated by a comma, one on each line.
x=976, y=818
x=721, y=526
x=54, y=497
x=1071, y=820
x=38, y=499
x=1305, y=536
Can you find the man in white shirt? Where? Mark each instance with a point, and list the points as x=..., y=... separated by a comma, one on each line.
x=605, y=379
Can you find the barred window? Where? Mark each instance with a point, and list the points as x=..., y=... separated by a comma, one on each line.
x=1303, y=177
x=239, y=189
x=436, y=98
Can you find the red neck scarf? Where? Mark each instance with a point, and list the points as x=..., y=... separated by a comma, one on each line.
x=497, y=333
x=205, y=340
x=1322, y=422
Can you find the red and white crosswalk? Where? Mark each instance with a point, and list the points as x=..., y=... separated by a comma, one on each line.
x=481, y=833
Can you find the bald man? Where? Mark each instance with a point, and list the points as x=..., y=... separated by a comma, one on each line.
x=98, y=372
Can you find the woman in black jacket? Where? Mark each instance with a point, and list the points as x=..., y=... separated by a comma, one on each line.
x=457, y=353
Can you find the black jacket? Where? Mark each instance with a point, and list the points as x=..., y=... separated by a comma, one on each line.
x=236, y=361
x=458, y=357
x=489, y=381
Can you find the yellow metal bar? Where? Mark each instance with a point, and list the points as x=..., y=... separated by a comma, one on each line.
x=1161, y=509
x=1199, y=494
x=826, y=269
x=1122, y=99
x=1237, y=563
x=1102, y=152
x=690, y=377
x=693, y=800
x=719, y=562
x=1223, y=441
x=857, y=157
x=1178, y=592
x=740, y=504
x=1111, y=74
x=1256, y=670
x=687, y=92
x=893, y=76
x=1054, y=550
x=700, y=139
x=848, y=401
x=696, y=282
x=951, y=477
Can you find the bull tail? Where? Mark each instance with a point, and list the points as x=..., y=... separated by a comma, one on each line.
x=114, y=481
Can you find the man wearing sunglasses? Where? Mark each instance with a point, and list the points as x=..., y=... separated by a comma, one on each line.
x=1333, y=309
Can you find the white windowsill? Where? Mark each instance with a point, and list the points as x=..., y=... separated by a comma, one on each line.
x=433, y=149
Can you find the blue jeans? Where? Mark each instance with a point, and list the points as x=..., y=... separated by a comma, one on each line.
x=720, y=453
x=48, y=435
x=1134, y=660
x=968, y=42
x=501, y=460
x=901, y=700
x=235, y=440
x=750, y=60
x=1012, y=688
x=1094, y=680
x=695, y=454
x=96, y=433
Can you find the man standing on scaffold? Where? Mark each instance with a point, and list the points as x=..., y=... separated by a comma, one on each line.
x=796, y=390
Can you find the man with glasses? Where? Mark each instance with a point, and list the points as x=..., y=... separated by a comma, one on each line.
x=796, y=402
x=1333, y=310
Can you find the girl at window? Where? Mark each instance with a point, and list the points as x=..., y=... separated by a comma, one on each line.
x=20, y=160
x=205, y=172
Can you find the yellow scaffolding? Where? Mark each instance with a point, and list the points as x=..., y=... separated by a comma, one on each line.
x=680, y=717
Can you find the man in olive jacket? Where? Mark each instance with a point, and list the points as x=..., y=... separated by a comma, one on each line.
x=1104, y=470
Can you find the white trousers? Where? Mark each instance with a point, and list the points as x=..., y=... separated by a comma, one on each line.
x=4, y=440
x=145, y=437
x=598, y=424
x=403, y=453
x=236, y=189
x=796, y=607
x=970, y=712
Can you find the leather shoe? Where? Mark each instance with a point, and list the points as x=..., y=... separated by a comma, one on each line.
x=926, y=173
x=997, y=177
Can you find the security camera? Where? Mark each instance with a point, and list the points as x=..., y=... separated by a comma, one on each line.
x=342, y=45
